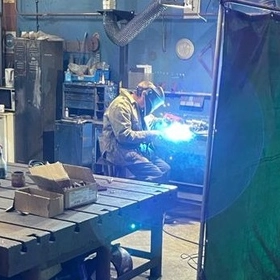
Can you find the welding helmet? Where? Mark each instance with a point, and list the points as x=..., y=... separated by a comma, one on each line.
x=154, y=99
x=154, y=96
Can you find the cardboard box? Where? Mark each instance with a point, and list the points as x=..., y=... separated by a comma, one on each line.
x=38, y=202
x=60, y=178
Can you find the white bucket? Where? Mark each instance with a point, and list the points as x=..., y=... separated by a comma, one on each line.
x=9, y=77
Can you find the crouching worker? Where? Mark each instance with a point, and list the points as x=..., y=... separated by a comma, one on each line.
x=126, y=140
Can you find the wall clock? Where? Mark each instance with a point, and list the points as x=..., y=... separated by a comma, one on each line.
x=184, y=48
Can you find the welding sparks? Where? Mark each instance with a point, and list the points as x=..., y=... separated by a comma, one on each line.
x=178, y=132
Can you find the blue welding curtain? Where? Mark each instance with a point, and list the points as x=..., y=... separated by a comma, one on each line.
x=243, y=198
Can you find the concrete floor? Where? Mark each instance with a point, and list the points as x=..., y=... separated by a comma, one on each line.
x=180, y=248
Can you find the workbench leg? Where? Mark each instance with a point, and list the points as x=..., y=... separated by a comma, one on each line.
x=156, y=246
x=31, y=274
x=103, y=263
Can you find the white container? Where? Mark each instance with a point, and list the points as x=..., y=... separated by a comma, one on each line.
x=109, y=4
x=9, y=77
x=7, y=138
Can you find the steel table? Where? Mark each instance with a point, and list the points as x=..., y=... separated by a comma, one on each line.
x=29, y=242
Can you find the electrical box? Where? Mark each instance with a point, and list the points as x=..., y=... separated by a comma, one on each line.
x=75, y=141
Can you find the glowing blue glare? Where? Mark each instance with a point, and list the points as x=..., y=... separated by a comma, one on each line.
x=178, y=132
x=133, y=226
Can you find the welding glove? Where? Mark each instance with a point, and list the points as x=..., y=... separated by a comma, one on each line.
x=155, y=135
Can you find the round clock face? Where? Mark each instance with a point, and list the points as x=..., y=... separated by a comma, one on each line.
x=184, y=49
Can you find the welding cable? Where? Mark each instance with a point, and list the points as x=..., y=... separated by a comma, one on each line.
x=190, y=258
x=180, y=238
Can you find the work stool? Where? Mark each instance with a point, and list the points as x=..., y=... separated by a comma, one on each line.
x=111, y=169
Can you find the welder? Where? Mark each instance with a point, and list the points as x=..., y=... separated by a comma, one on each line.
x=126, y=140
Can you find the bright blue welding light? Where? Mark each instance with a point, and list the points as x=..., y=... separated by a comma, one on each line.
x=178, y=132
x=133, y=226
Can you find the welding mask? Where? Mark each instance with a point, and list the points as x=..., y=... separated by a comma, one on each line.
x=154, y=98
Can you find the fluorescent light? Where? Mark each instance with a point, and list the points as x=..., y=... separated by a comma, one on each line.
x=187, y=4
x=179, y=4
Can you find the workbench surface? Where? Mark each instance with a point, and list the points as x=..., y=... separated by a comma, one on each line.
x=29, y=241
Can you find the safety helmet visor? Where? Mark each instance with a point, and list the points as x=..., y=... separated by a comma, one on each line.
x=154, y=98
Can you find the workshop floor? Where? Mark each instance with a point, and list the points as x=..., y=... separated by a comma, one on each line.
x=180, y=248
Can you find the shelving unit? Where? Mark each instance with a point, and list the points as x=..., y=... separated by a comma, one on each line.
x=81, y=126
x=87, y=99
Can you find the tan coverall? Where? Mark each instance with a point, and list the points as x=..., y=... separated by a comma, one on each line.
x=126, y=142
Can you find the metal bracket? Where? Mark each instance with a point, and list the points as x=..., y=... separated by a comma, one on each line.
x=120, y=15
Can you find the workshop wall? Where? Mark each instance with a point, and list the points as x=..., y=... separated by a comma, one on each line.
x=155, y=45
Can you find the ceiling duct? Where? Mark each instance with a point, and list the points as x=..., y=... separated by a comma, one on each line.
x=122, y=35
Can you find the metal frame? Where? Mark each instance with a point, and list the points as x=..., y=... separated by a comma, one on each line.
x=1, y=40
x=212, y=118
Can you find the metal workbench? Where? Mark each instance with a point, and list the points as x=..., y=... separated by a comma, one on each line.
x=28, y=242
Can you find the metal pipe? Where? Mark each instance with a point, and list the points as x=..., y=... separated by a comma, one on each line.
x=212, y=118
x=251, y=4
x=55, y=14
x=167, y=16
x=60, y=14
x=97, y=14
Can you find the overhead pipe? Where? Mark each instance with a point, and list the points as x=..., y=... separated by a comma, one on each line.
x=97, y=14
x=59, y=14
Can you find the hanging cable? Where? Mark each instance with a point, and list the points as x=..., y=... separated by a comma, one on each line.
x=164, y=34
x=37, y=17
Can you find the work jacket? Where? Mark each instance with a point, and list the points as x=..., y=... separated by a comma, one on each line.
x=124, y=140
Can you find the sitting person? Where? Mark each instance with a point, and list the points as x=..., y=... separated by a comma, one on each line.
x=126, y=140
